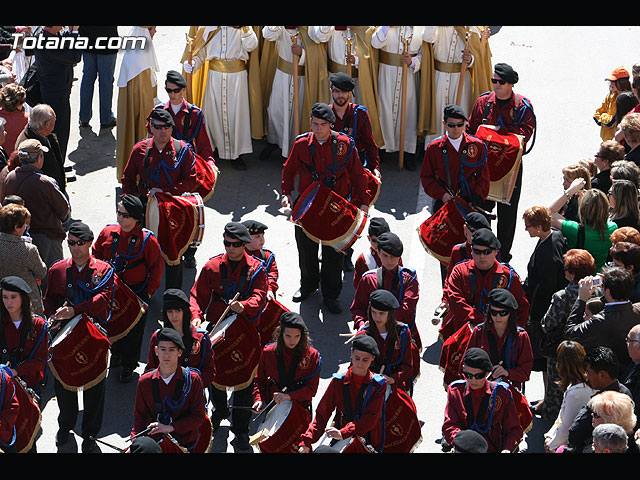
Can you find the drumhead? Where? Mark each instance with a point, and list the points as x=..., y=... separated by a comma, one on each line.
x=276, y=417
x=304, y=203
x=153, y=215
x=222, y=327
x=66, y=330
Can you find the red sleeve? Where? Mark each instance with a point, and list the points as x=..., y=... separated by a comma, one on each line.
x=32, y=370
x=10, y=408
x=428, y=175
x=454, y=414
x=456, y=290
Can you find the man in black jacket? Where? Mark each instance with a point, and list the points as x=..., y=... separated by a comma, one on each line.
x=631, y=378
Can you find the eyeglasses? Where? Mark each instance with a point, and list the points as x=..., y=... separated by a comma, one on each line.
x=477, y=376
x=498, y=313
x=481, y=251
x=498, y=80
x=455, y=125
x=162, y=126
x=227, y=243
x=629, y=340
x=173, y=90
x=123, y=214
x=71, y=243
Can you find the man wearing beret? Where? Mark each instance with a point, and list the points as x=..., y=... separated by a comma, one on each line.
x=256, y=248
x=221, y=278
x=357, y=415
x=135, y=254
x=370, y=258
x=75, y=286
x=170, y=399
x=486, y=407
x=312, y=158
x=511, y=113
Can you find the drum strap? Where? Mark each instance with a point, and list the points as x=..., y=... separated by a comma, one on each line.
x=333, y=168
x=230, y=289
x=350, y=413
x=519, y=113
x=487, y=406
x=285, y=377
x=180, y=154
x=187, y=123
x=507, y=353
x=354, y=132
x=15, y=357
x=3, y=386
x=121, y=263
x=390, y=367
x=84, y=292
x=164, y=405
x=482, y=307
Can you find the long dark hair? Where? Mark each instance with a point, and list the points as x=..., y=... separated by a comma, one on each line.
x=301, y=347
x=391, y=324
x=26, y=313
x=187, y=338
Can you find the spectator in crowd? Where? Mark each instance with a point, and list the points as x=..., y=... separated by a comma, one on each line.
x=12, y=100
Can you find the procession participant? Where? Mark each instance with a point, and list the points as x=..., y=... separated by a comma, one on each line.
x=221, y=278
x=69, y=293
x=23, y=334
x=357, y=415
x=462, y=251
x=170, y=398
x=486, y=407
x=511, y=113
x=226, y=99
x=256, y=248
x=370, y=258
x=9, y=411
x=155, y=165
x=312, y=157
x=135, y=255
x=198, y=352
x=393, y=338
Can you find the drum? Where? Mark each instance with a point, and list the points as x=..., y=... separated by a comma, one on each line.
x=205, y=437
x=522, y=407
x=373, y=186
x=281, y=428
x=206, y=177
x=176, y=221
x=270, y=320
x=168, y=444
x=327, y=218
x=236, y=352
x=79, y=354
x=29, y=418
x=444, y=229
x=453, y=350
x=355, y=444
x=504, y=156
x=126, y=311
x=402, y=432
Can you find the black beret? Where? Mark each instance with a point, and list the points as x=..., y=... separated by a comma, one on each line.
x=162, y=115
x=238, y=231
x=477, y=220
x=454, y=111
x=15, y=284
x=170, y=335
x=506, y=72
x=378, y=226
x=144, y=444
x=323, y=111
x=390, y=243
x=499, y=297
x=81, y=230
x=342, y=81
x=133, y=205
x=174, y=297
x=484, y=237
x=365, y=343
x=476, y=357
x=383, y=300
x=292, y=320
x=470, y=441
x=176, y=78
x=254, y=226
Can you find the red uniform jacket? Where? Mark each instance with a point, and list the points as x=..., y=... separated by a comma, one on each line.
x=475, y=170
x=366, y=261
x=209, y=296
x=271, y=267
x=268, y=379
x=200, y=357
x=97, y=306
x=350, y=181
x=10, y=408
x=505, y=431
x=357, y=124
x=188, y=414
x=367, y=423
x=166, y=170
x=137, y=257
x=33, y=359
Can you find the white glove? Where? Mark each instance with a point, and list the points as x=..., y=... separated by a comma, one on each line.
x=188, y=68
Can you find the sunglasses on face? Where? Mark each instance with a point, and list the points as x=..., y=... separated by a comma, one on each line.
x=477, y=376
x=498, y=313
x=71, y=243
x=455, y=125
x=498, y=80
x=228, y=243
x=163, y=126
x=481, y=251
x=123, y=214
x=173, y=90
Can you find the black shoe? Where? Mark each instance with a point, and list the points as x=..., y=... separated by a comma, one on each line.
x=90, y=446
x=84, y=125
x=301, y=294
x=410, y=163
x=62, y=437
x=266, y=152
x=239, y=164
x=241, y=441
x=126, y=374
x=332, y=305
x=109, y=124
x=190, y=261
x=216, y=420
x=348, y=265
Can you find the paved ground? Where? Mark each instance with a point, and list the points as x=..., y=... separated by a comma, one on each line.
x=561, y=70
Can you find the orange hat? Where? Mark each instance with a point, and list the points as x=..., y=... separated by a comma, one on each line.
x=618, y=73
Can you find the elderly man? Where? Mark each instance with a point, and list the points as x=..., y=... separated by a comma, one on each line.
x=610, y=438
x=631, y=377
x=43, y=198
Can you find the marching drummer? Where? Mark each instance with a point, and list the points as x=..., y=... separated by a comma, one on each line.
x=73, y=289
x=357, y=415
x=256, y=248
x=370, y=258
x=135, y=254
x=224, y=276
x=170, y=399
x=312, y=158
x=160, y=164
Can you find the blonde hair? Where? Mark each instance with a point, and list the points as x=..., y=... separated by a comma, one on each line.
x=615, y=407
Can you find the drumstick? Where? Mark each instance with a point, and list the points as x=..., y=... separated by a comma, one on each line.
x=265, y=409
x=121, y=450
x=139, y=434
x=224, y=314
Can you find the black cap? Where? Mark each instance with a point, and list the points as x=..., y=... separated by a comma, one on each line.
x=484, y=237
x=254, y=227
x=499, y=297
x=477, y=220
x=470, y=441
x=390, y=243
x=162, y=115
x=238, y=231
x=292, y=320
x=133, y=205
x=81, y=230
x=476, y=357
x=365, y=343
x=176, y=78
x=454, y=111
x=174, y=297
x=323, y=111
x=342, y=81
x=378, y=226
x=170, y=335
x=15, y=284
x=506, y=72
x=383, y=300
